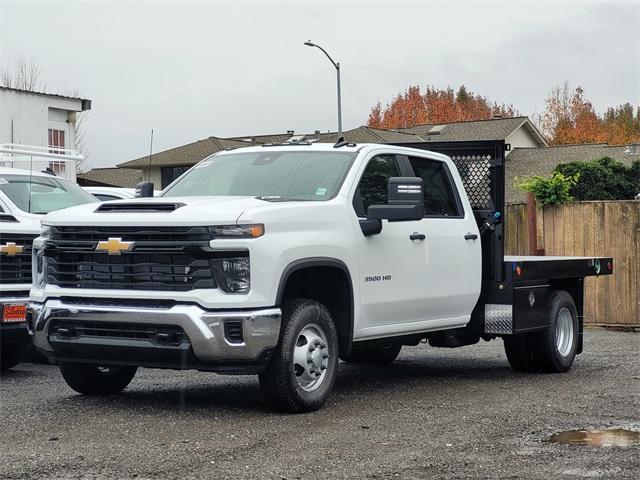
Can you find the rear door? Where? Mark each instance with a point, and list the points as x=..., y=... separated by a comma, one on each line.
x=452, y=277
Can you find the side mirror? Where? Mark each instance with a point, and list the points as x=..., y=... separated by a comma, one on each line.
x=144, y=190
x=405, y=201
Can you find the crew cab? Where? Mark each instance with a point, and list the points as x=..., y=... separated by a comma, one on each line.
x=25, y=197
x=280, y=259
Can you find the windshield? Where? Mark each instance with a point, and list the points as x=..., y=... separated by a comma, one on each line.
x=273, y=175
x=47, y=193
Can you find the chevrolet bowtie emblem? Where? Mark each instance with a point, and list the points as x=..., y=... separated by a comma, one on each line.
x=114, y=246
x=11, y=249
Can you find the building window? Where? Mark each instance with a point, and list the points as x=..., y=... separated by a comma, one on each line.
x=169, y=174
x=56, y=139
x=56, y=145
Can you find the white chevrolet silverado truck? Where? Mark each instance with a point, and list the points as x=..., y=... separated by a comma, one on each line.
x=280, y=259
x=25, y=197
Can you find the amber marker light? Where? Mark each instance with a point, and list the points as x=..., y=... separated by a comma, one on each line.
x=256, y=230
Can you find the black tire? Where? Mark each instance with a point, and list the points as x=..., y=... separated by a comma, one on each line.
x=280, y=381
x=545, y=352
x=539, y=351
x=12, y=355
x=380, y=355
x=90, y=379
x=519, y=353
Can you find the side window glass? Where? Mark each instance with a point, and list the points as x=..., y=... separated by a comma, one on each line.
x=372, y=189
x=439, y=196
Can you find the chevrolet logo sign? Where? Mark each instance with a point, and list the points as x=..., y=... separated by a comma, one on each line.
x=114, y=246
x=11, y=249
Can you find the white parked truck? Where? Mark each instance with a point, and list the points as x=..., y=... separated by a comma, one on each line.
x=25, y=197
x=278, y=260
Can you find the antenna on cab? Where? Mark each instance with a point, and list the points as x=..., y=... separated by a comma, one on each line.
x=150, y=153
x=145, y=189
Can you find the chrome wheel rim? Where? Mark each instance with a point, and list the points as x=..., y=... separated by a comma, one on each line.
x=564, y=332
x=311, y=357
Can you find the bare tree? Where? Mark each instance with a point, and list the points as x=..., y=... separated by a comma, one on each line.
x=26, y=75
x=23, y=75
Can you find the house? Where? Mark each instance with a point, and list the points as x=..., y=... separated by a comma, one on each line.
x=516, y=131
x=164, y=167
x=40, y=119
x=525, y=162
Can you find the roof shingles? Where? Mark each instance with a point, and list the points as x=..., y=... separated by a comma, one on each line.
x=489, y=129
x=188, y=154
x=116, y=177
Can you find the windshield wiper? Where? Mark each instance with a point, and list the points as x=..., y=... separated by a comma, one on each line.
x=278, y=198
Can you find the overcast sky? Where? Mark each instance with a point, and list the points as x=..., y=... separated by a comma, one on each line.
x=192, y=70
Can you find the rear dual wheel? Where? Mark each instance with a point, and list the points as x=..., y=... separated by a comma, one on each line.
x=552, y=350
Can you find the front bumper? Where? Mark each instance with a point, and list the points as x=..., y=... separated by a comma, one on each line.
x=207, y=343
x=13, y=333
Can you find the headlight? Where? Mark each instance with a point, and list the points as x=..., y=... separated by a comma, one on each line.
x=233, y=274
x=237, y=231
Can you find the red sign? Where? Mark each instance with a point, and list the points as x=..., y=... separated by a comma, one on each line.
x=14, y=314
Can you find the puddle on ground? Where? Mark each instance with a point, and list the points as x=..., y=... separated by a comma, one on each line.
x=615, y=437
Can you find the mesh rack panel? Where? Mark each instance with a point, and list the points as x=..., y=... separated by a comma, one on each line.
x=475, y=173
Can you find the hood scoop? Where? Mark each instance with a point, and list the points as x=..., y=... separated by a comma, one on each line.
x=138, y=207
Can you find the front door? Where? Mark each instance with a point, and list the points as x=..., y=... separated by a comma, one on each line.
x=391, y=262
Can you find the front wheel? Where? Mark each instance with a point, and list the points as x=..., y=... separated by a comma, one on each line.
x=90, y=379
x=302, y=371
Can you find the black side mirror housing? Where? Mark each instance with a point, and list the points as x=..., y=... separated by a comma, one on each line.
x=370, y=226
x=144, y=190
x=405, y=201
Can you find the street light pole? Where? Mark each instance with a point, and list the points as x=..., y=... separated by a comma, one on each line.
x=309, y=43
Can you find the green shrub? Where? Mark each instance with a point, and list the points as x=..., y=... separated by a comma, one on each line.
x=602, y=179
x=554, y=190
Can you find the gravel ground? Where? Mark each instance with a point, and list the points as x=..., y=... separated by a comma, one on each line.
x=435, y=413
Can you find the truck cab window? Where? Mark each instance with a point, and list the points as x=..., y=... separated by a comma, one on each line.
x=372, y=189
x=439, y=195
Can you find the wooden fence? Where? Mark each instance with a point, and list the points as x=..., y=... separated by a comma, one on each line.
x=601, y=228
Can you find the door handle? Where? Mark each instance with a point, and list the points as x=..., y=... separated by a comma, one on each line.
x=417, y=236
x=470, y=236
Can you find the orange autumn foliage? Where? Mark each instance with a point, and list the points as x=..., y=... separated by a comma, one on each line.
x=570, y=118
x=413, y=107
